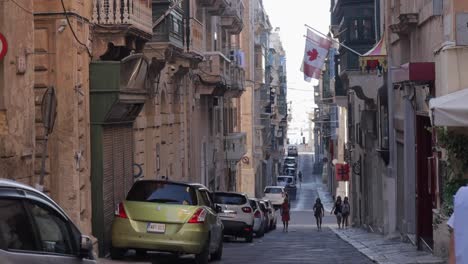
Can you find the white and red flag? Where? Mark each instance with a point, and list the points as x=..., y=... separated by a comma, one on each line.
x=316, y=51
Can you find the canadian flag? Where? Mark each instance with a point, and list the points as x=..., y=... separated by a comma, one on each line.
x=316, y=51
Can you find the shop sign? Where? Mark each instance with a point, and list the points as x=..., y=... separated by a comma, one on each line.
x=3, y=46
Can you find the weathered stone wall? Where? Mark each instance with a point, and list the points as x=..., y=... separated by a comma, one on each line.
x=17, y=145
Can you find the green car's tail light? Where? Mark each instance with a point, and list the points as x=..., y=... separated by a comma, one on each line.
x=120, y=212
x=198, y=217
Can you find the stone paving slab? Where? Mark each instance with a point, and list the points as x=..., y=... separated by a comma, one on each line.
x=384, y=251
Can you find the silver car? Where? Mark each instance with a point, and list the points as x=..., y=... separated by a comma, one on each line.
x=35, y=230
x=260, y=219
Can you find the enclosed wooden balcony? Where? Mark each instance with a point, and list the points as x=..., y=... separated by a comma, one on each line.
x=235, y=146
x=215, y=7
x=126, y=14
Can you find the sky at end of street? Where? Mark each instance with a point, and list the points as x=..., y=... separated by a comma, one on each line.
x=290, y=17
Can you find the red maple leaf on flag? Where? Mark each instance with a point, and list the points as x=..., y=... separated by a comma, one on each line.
x=313, y=54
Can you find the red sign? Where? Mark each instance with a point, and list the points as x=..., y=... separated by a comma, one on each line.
x=342, y=172
x=3, y=46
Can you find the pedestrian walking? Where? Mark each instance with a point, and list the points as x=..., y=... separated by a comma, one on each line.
x=285, y=213
x=319, y=212
x=345, y=211
x=337, y=210
x=458, y=252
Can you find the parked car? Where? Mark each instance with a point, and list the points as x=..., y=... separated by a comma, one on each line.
x=168, y=216
x=237, y=215
x=264, y=208
x=289, y=184
x=290, y=162
x=275, y=194
x=259, y=218
x=272, y=214
x=34, y=229
x=292, y=151
x=291, y=171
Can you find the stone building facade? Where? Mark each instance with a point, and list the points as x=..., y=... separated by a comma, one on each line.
x=140, y=93
x=47, y=54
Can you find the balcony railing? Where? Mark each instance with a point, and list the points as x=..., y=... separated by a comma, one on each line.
x=237, y=78
x=235, y=146
x=217, y=67
x=135, y=13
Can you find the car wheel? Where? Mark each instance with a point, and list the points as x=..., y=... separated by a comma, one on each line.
x=203, y=256
x=117, y=253
x=219, y=251
x=261, y=232
x=249, y=237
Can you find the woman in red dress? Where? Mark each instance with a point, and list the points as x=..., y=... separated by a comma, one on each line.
x=285, y=214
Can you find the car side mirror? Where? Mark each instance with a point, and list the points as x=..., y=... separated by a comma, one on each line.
x=86, y=247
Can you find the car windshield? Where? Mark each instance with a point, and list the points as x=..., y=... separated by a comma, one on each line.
x=162, y=192
x=273, y=190
x=284, y=180
x=289, y=161
x=230, y=198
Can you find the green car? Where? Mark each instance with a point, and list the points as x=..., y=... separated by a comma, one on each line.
x=166, y=216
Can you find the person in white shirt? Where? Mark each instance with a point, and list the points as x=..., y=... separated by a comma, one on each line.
x=458, y=253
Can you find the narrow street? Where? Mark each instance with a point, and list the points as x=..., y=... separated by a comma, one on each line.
x=302, y=244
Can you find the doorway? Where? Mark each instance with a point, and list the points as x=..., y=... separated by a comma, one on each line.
x=423, y=197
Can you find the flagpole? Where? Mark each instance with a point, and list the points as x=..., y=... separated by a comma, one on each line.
x=331, y=39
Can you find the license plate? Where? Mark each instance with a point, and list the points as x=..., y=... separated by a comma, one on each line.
x=156, y=228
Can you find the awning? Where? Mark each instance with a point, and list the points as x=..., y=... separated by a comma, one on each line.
x=376, y=58
x=450, y=109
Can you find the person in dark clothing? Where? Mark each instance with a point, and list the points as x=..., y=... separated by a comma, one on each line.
x=345, y=211
x=285, y=217
x=319, y=212
x=337, y=210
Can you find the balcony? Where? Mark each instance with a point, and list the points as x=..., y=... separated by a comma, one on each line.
x=260, y=75
x=215, y=7
x=171, y=29
x=236, y=85
x=118, y=89
x=132, y=15
x=214, y=74
x=232, y=18
x=235, y=146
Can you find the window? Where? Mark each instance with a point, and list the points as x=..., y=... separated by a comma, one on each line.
x=253, y=204
x=162, y=192
x=230, y=198
x=15, y=228
x=361, y=29
x=54, y=232
x=206, y=200
x=273, y=190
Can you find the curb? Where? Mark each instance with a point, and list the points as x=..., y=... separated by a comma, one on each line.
x=382, y=259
